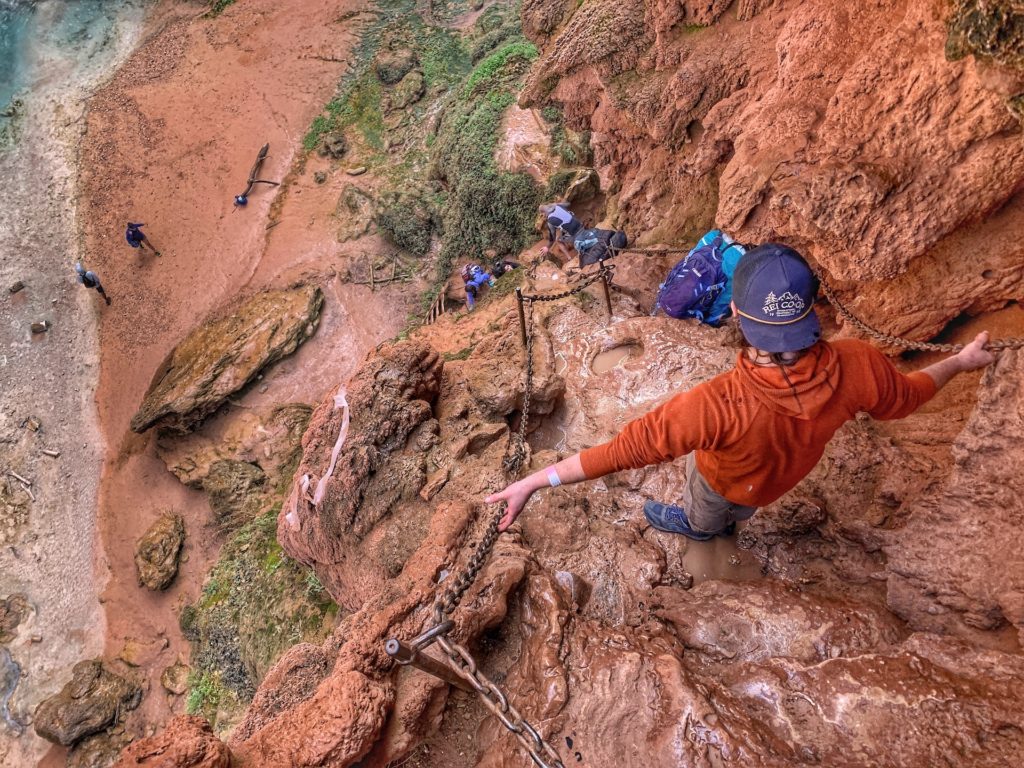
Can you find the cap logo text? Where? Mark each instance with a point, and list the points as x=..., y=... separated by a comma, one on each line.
x=788, y=304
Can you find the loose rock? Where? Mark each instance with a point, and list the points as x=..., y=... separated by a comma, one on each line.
x=226, y=353
x=156, y=554
x=175, y=678
x=88, y=704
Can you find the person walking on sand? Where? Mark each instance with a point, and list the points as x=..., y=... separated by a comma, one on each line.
x=90, y=280
x=751, y=434
x=137, y=238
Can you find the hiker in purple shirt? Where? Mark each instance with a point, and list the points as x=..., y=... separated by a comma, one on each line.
x=137, y=238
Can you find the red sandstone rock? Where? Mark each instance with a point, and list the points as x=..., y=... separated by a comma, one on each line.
x=778, y=115
x=186, y=742
x=960, y=558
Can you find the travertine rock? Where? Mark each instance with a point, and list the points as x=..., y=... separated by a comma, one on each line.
x=186, y=742
x=763, y=116
x=959, y=560
x=223, y=355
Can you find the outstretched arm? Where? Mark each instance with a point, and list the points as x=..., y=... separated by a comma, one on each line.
x=565, y=472
x=970, y=358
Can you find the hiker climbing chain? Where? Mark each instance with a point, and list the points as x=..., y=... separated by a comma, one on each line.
x=459, y=659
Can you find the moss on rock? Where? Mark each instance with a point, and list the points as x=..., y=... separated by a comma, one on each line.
x=256, y=603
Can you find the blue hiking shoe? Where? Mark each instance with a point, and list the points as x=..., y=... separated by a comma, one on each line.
x=672, y=519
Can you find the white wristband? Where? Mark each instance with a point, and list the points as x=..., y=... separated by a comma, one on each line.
x=553, y=477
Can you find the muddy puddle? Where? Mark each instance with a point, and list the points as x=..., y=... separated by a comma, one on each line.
x=610, y=358
x=720, y=558
x=10, y=675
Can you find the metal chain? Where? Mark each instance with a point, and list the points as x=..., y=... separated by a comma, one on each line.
x=460, y=659
x=605, y=270
x=463, y=663
x=899, y=341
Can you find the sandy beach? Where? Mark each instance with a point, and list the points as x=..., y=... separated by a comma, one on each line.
x=168, y=141
x=47, y=545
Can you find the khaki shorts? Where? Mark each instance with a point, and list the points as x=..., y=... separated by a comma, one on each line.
x=706, y=509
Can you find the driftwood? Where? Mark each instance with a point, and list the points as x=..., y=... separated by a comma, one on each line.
x=255, y=172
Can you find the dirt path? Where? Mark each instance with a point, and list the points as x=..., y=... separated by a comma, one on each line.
x=169, y=143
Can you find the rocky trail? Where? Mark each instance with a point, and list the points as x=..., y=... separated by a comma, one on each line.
x=296, y=464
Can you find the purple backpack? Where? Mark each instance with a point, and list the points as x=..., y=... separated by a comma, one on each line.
x=694, y=284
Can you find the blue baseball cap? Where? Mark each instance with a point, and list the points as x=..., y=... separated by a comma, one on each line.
x=774, y=291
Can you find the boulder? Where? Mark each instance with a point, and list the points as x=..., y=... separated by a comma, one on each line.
x=157, y=552
x=174, y=678
x=392, y=65
x=333, y=144
x=187, y=741
x=409, y=90
x=13, y=611
x=224, y=354
x=91, y=702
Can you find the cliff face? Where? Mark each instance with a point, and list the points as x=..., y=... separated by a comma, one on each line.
x=840, y=128
x=873, y=615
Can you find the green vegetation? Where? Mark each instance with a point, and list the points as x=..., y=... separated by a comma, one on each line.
x=462, y=354
x=217, y=7
x=507, y=283
x=204, y=695
x=433, y=147
x=484, y=207
x=408, y=222
x=255, y=604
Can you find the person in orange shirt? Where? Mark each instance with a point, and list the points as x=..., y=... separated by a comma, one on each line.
x=753, y=433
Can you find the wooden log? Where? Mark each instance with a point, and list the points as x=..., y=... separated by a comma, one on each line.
x=19, y=478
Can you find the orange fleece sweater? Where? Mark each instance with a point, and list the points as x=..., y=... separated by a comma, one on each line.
x=756, y=436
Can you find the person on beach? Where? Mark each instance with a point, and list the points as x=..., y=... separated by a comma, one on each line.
x=89, y=279
x=751, y=434
x=137, y=238
x=562, y=227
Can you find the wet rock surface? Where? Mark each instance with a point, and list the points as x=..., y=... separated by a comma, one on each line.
x=975, y=516
x=157, y=553
x=91, y=702
x=590, y=619
x=223, y=355
x=186, y=742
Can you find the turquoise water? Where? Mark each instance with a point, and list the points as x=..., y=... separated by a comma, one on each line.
x=43, y=41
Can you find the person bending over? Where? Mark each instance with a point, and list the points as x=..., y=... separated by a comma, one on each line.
x=562, y=227
x=751, y=434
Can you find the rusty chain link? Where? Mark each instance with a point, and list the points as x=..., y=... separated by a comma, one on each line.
x=899, y=341
x=460, y=660
x=605, y=270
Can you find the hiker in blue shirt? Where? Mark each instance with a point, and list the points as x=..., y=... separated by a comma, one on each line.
x=562, y=227
x=89, y=279
x=474, y=278
x=137, y=238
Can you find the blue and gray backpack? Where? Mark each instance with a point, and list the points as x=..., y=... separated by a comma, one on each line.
x=700, y=286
